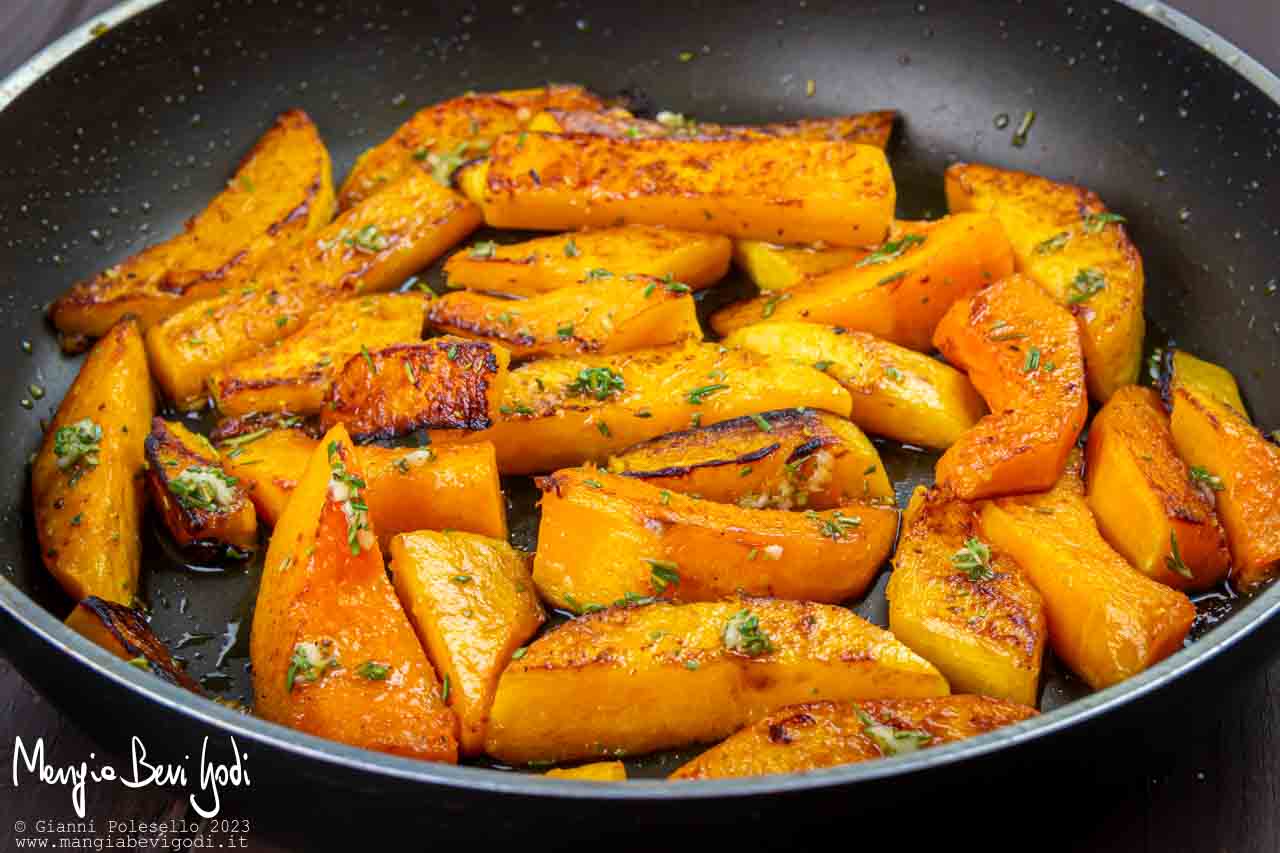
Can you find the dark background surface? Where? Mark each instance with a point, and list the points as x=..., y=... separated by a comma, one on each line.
x=1218, y=788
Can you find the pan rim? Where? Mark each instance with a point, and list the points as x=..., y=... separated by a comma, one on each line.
x=47, y=628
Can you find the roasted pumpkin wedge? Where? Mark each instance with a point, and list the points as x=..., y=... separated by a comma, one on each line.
x=1228, y=452
x=1107, y=621
x=963, y=606
x=609, y=539
x=1022, y=352
x=607, y=315
x=1065, y=239
x=1183, y=370
x=333, y=653
x=775, y=267
x=472, y=603
x=668, y=675
x=789, y=459
x=550, y=263
x=872, y=128
x=896, y=392
x=294, y=376
x=899, y=292
x=281, y=193
x=202, y=506
x=788, y=190
x=86, y=481
x=125, y=633
x=599, y=771
x=440, y=137
x=445, y=384
x=370, y=248
x=827, y=734
x=1155, y=511
x=559, y=412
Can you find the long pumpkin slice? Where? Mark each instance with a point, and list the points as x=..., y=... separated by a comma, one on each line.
x=281, y=193
x=1065, y=239
x=900, y=291
x=1107, y=621
x=1022, y=352
x=86, y=481
x=789, y=190
x=370, y=248
x=665, y=675
x=1184, y=370
x=872, y=128
x=333, y=653
x=124, y=632
x=827, y=734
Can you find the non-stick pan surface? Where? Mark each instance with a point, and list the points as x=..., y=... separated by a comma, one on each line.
x=139, y=125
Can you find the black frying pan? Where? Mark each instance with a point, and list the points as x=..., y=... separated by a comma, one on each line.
x=135, y=129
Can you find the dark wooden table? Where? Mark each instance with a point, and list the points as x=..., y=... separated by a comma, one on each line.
x=1216, y=790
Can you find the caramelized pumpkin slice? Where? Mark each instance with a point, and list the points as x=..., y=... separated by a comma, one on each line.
x=445, y=383
x=1106, y=620
x=899, y=292
x=333, y=653
x=1152, y=509
x=896, y=392
x=125, y=633
x=789, y=459
x=775, y=267
x=668, y=675
x=607, y=315
x=202, y=505
x=827, y=734
x=370, y=248
x=605, y=538
x=550, y=263
x=1220, y=443
x=281, y=193
x=558, y=412
x=599, y=771
x=86, y=481
x=1184, y=370
x=1022, y=352
x=789, y=190
x=1065, y=239
x=472, y=603
x=962, y=606
x=295, y=375
x=872, y=128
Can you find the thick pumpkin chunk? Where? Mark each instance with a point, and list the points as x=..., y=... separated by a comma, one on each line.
x=281, y=193
x=1022, y=352
x=899, y=292
x=827, y=734
x=872, y=128
x=776, y=267
x=1184, y=370
x=472, y=603
x=1150, y=506
x=333, y=653
x=125, y=633
x=87, y=482
x=1106, y=620
x=665, y=675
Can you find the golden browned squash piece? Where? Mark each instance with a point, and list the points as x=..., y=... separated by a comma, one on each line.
x=872, y=128
x=789, y=190
x=606, y=539
x=333, y=653
x=281, y=194
x=1065, y=239
x=86, y=481
x=445, y=383
x=442, y=136
x=550, y=263
x=609, y=314
x=1107, y=621
x=1217, y=440
x=827, y=734
x=370, y=248
x=599, y=771
x=1022, y=352
x=668, y=675
x=472, y=603
x=1152, y=508
x=1184, y=370
x=201, y=504
x=775, y=267
x=295, y=375
x=896, y=392
x=899, y=292
x=125, y=633
x=963, y=606
x=559, y=412
x=788, y=459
